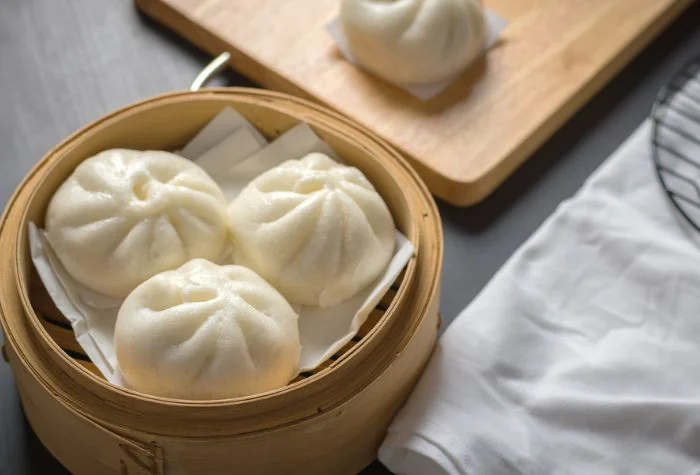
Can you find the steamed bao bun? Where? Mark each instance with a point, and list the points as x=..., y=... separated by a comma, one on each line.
x=414, y=41
x=315, y=229
x=205, y=331
x=126, y=215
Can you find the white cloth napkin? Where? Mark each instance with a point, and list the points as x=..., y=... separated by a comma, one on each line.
x=581, y=356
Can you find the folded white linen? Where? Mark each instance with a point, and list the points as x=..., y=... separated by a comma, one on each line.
x=581, y=356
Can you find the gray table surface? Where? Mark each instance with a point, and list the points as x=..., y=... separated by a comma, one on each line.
x=64, y=63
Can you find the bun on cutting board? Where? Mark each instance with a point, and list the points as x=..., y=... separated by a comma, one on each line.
x=414, y=41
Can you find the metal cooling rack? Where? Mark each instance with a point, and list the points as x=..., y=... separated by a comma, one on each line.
x=676, y=141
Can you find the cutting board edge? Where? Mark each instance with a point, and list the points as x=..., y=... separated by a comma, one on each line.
x=469, y=191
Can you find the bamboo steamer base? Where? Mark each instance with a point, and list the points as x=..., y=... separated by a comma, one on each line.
x=331, y=422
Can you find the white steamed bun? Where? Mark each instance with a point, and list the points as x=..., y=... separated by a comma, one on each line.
x=205, y=331
x=414, y=41
x=315, y=229
x=125, y=215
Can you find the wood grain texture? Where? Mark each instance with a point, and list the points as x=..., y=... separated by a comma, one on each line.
x=553, y=56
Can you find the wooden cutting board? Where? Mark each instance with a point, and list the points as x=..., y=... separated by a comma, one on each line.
x=551, y=58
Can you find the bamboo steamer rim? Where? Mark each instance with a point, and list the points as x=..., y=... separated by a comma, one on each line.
x=338, y=125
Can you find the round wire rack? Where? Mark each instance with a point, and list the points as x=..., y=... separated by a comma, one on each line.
x=676, y=141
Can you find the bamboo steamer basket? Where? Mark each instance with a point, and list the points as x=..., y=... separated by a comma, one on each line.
x=331, y=420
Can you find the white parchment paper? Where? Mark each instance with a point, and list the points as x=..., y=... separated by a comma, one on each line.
x=233, y=152
x=216, y=131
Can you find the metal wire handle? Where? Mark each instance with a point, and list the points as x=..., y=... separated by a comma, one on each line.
x=210, y=70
